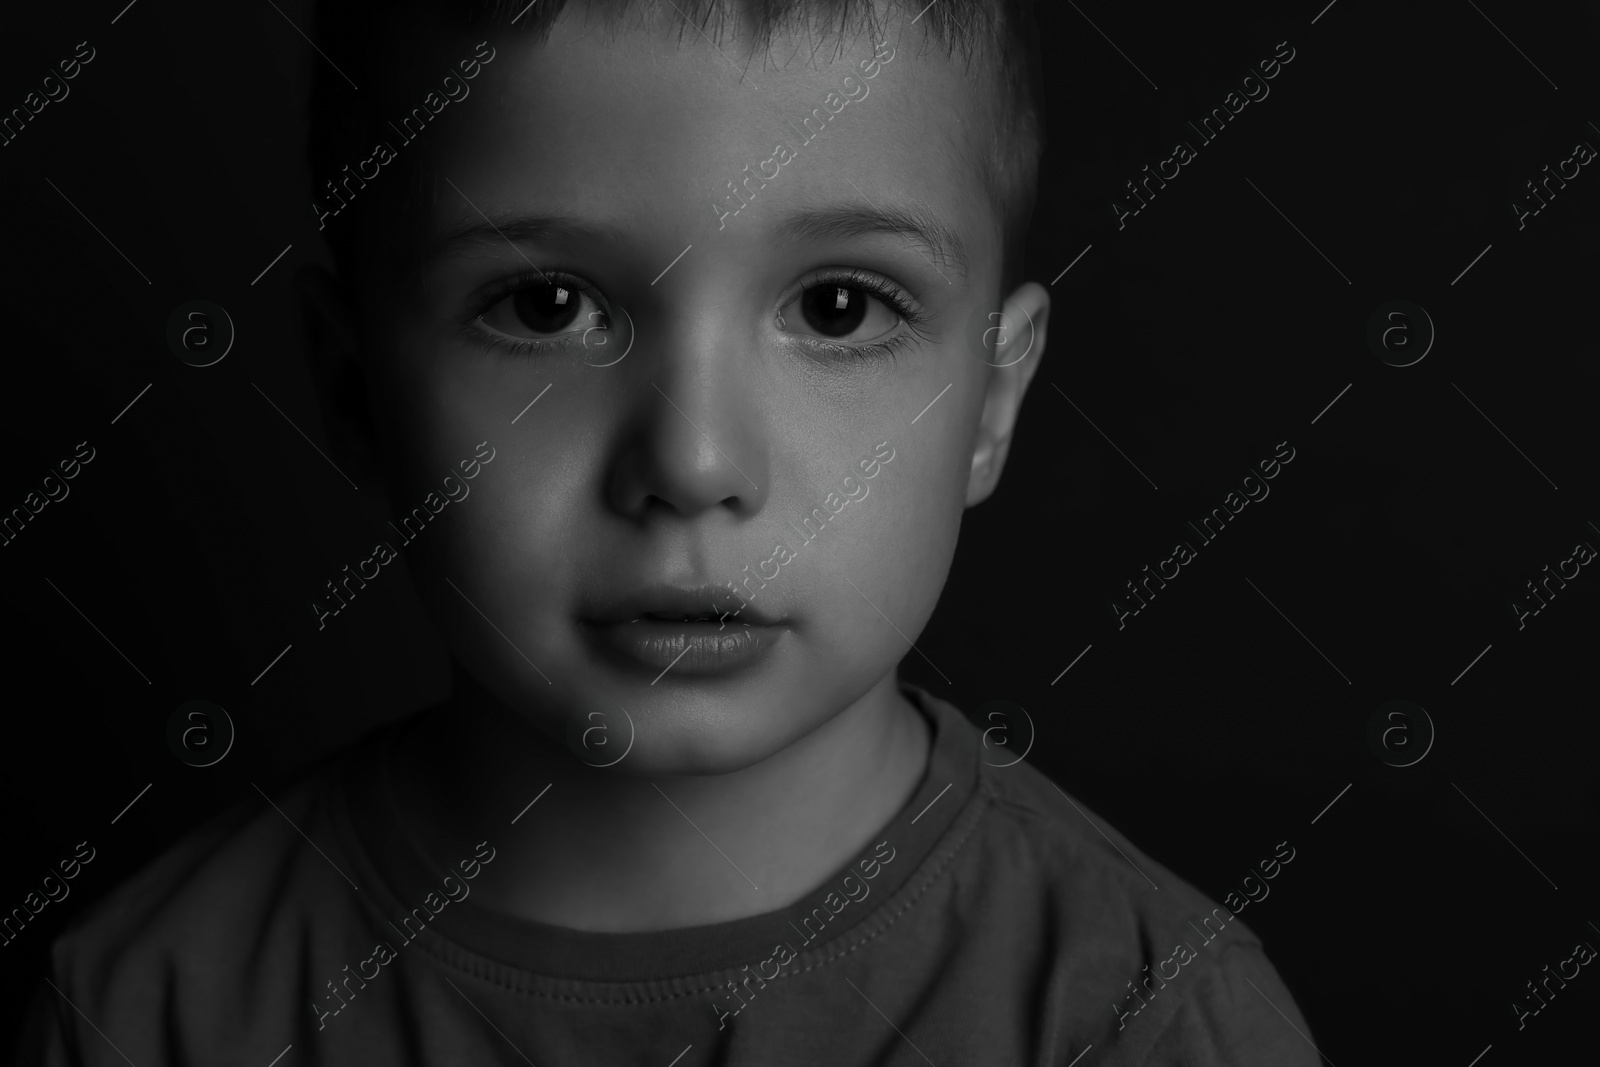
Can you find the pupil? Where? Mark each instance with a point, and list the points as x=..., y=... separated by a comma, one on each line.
x=834, y=311
x=546, y=308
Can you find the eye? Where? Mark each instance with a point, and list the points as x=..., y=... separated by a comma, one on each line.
x=846, y=309
x=542, y=307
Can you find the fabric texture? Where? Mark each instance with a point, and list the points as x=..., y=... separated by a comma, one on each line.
x=993, y=921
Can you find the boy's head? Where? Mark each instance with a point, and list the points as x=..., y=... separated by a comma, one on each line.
x=759, y=265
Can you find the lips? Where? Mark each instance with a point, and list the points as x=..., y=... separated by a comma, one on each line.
x=676, y=630
x=671, y=603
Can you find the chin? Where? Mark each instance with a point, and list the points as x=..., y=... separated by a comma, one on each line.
x=681, y=733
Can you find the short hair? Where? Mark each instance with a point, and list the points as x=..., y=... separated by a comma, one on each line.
x=997, y=34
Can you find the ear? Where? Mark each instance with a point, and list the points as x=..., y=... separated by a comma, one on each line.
x=1018, y=346
x=334, y=359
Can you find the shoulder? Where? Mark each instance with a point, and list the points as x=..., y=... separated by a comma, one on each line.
x=1239, y=1014
x=1119, y=952
x=228, y=871
x=253, y=885
x=1032, y=843
x=1091, y=865
x=1168, y=975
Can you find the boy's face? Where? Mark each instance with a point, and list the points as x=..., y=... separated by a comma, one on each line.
x=702, y=391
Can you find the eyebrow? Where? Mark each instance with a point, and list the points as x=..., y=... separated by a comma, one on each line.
x=917, y=226
x=480, y=229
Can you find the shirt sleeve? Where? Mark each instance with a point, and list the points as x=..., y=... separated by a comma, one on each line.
x=1240, y=1015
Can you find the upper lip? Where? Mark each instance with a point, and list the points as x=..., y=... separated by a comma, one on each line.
x=676, y=602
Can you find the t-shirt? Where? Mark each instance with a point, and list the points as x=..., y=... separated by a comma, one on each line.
x=992, y=921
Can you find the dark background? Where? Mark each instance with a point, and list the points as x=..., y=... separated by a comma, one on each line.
x=1196, y=339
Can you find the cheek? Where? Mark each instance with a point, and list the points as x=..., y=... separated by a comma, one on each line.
x=525, y=511
x=504, y=609
x=425, y=414
x=525, y=506
x=898, y=543
x=922, y=531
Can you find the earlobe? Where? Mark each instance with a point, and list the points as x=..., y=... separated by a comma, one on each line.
x=1010, y=369
x=334, y=358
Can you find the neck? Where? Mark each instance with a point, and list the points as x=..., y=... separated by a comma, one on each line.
x=606, y=851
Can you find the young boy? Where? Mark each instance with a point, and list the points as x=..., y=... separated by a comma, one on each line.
x=690, y=314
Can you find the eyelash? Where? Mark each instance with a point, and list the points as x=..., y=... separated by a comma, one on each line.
x=497, y=342
x=890, y=294
x=848, y=277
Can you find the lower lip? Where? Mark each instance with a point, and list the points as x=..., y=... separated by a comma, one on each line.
x=688, y=648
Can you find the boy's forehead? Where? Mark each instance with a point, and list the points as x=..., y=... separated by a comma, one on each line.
x=642, y=132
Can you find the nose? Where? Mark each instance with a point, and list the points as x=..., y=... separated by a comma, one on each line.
x=697, y=443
